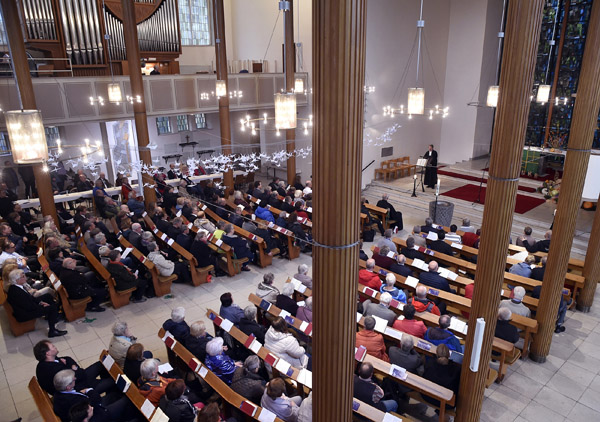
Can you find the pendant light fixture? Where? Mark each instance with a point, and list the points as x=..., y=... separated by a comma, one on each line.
x=27, y=136
x=494, y=90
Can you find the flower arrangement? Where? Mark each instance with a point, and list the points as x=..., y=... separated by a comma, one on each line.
x=550, y=189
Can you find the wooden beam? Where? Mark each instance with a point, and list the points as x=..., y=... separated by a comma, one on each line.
x=583, y=125
x=339, y=32
x=516, y=81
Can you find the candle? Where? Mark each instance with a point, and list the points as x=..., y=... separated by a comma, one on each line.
x=415, y=177
x=437, y=188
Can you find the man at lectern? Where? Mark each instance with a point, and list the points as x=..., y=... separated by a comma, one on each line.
x=431, y=169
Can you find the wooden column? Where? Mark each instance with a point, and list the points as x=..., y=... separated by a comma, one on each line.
x=581, y=136
x=137, y=88
x=339, y=71
x=221, y=58
x=289, y=68
x=591, y=268
x=16, y=46
x=516, y=81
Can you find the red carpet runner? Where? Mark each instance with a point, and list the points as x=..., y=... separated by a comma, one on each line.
x=469, y=193
x=478, y=179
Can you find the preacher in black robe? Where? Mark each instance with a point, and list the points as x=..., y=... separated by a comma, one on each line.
x=431, y=169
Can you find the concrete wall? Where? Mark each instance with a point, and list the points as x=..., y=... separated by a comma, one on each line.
x=391, y=34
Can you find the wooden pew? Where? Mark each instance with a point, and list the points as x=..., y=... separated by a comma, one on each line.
x=162, y=284
x=234, y=399
x=133, y=393
x=512, y=279
x=293, y=250
x=380, y=213
x=227, y=262
x=574, y=263
x=273, y=310
x=462, y=282
x=118, y=298
x=42, y=400
x=306, y=223
x=162, y=238
x=262, y=352
x=527, y=325
x=264, y=259
x=74, y=309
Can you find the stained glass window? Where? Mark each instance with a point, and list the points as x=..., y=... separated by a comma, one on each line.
x=194, y=22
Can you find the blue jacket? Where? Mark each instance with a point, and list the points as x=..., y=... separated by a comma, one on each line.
x=233, y=313
x=439, y=336
x=521, y=268
x=264, y=214
x=397, y=294
x=135, y=206
x=222, y=366
x=180, y=330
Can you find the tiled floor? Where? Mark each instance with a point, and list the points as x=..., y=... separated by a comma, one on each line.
x=565, y=388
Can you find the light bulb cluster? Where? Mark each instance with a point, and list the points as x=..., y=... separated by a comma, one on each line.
x=134, y=99
x=253, y=124
x=369, y=89
x=389, y=111
x=207, y=96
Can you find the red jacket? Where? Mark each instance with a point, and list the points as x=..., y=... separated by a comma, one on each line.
x=411, y=326
x=369, y=279
x=469, y=239
x=422, y=307
x=373, y=342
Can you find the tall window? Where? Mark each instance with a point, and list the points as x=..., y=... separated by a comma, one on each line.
x=3, y=38
x=183, y=123
x=200, y=120
x=194, y=22
x=51, y=135
x=163, y=125
x=4, y=147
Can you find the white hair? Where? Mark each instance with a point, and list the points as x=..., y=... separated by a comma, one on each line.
x=149, y=369
x=302, y=268
x=63, y=379
x=197, y=329
x=178, y=314
x=215, y=346
x=385, y=299
x=504, y=314
x=308, y=303
x=390, y=279
x=287, y=289
x=250, y=312
x=519, y=293
x=119, y=329
x=14, y=276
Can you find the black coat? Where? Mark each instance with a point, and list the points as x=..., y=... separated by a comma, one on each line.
x=123, y=278
x=248, y=384
x=64, y=401
x=75, y=283
x=411, y=253
x=197, y=345
x=286, y=303
x=202, y=253
x=441, y=246
x=178, y=410
x=25, y=306
x=436, y=281
x=411, y=361
x=506, y=331
x=239, y=245
x=45, y=372
x=403, y=270
x=538, y=273
x=252, y=327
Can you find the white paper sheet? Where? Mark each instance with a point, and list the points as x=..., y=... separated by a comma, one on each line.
x=226, y=324
x=456, y=245
x=412, y=282
x=164, y=368
x=147, y=409
x=266, y=415
x=380, y=324
x=108, y=362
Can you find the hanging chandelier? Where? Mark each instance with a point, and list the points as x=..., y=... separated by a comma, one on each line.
x=27, y=136
x=416, y=94
x=253, y=124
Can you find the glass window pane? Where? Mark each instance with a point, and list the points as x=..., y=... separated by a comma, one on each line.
x=194, y=22
x=163, y=125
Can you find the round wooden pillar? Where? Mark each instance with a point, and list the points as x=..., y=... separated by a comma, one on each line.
x=591, y=268
x=16, y=47
x=221, y=63
x=581, y=136
x=290, y=68
x=137, y=88
x=338, y=70
x=516, y=81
